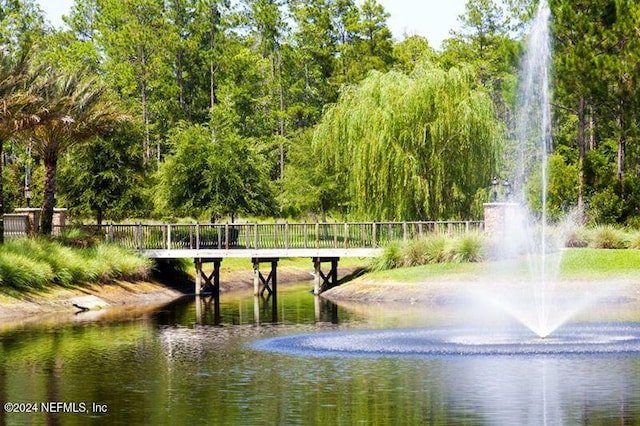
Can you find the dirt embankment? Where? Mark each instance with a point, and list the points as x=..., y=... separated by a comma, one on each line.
x=100, y=298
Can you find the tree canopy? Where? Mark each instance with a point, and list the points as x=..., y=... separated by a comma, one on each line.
x=411, y=147
x=212, y=173
x=313, y=108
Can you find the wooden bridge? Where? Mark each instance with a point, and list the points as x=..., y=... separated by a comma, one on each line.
x=324, y=243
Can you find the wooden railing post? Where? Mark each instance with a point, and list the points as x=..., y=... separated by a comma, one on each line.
x=255, y=233
x=197, y=236
x=305, y=230
x=286, y=235
x=140, y=237
x=276, y=243
x=168, y=237
x=346, y=235
x=374, y=236
x=226, y=236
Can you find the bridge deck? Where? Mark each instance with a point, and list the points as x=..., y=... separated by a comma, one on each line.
x=260, y=253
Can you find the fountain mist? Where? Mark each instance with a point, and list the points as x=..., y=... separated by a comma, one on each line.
x=526, y=234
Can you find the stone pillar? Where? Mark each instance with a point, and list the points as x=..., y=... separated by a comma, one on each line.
x=33, y=215
x=59, y=220
x=501, y=218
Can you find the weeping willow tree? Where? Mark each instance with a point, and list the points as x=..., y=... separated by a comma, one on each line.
x=408, y=147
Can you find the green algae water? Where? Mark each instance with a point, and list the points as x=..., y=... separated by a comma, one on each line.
x=183, y=364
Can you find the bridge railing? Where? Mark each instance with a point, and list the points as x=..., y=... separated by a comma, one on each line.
x=276, y=235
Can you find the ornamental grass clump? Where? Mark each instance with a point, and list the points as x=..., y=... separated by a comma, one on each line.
x=391, y=258
x=414, y=252
x=608, y=237
x=431, y=249
x=68, y=265
x=634, y=240
x=121, y=263
x=578, y=237
x=36, y=264
x=436, y=250
x=469, y=248
x=19, y=272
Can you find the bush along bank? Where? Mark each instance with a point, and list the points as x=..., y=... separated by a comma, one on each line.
x=476, y=247
x=37, y=264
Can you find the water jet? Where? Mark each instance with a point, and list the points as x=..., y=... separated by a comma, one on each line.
x=533, y=298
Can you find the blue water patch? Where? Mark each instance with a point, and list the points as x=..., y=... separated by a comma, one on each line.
x=575, y=339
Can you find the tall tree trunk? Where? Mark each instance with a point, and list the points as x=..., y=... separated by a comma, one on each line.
x=181, y=83
x=592, y=129
x=145, y=117
x=582, y=152
x=49, y=201
x=213, y=98
x=622, y=142
x=281, y=118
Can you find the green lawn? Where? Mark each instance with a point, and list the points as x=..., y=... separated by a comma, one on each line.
x=582, y=263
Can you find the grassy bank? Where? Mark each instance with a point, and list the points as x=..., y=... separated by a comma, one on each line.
x=477, y=247
x=28, y=265
x=575, y=264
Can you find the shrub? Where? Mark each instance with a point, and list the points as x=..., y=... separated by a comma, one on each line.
x=469, y=248
x=432, y=249
x=391, y=258
x=27, y=264
x=634, y=240
x=81, y=236
x=414, y=252
x=606, y=206
x=22, y=273
x=608, y=237
x=578, y=237
x=436, y=250
x=68, y=265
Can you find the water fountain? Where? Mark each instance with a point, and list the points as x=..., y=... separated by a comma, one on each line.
x=527, y=293
x=538, y=303
x=519, y=234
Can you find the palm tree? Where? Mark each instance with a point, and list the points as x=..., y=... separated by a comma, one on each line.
x=77, y=109
x=17, y=105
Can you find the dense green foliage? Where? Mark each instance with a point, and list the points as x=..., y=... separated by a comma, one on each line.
x=267, y=107
x=28, y=265
x=416, y=146
x=212, y=174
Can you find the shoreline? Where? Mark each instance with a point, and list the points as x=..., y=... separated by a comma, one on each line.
x=102, y=300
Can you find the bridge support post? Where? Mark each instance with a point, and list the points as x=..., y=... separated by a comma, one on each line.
x=322, y=282
x=260, y=284
x=204, y=306
x=206, y=281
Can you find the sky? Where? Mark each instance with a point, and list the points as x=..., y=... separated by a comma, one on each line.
x=432, y=19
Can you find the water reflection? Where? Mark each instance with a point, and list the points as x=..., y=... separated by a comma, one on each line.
x=185, y=364
x=225, y=309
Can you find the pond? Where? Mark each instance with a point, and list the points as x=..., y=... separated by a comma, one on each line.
x=185, y=364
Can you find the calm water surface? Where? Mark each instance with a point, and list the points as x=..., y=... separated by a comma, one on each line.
x=183, y=364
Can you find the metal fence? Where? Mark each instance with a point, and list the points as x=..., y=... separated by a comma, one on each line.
x=275, y=235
